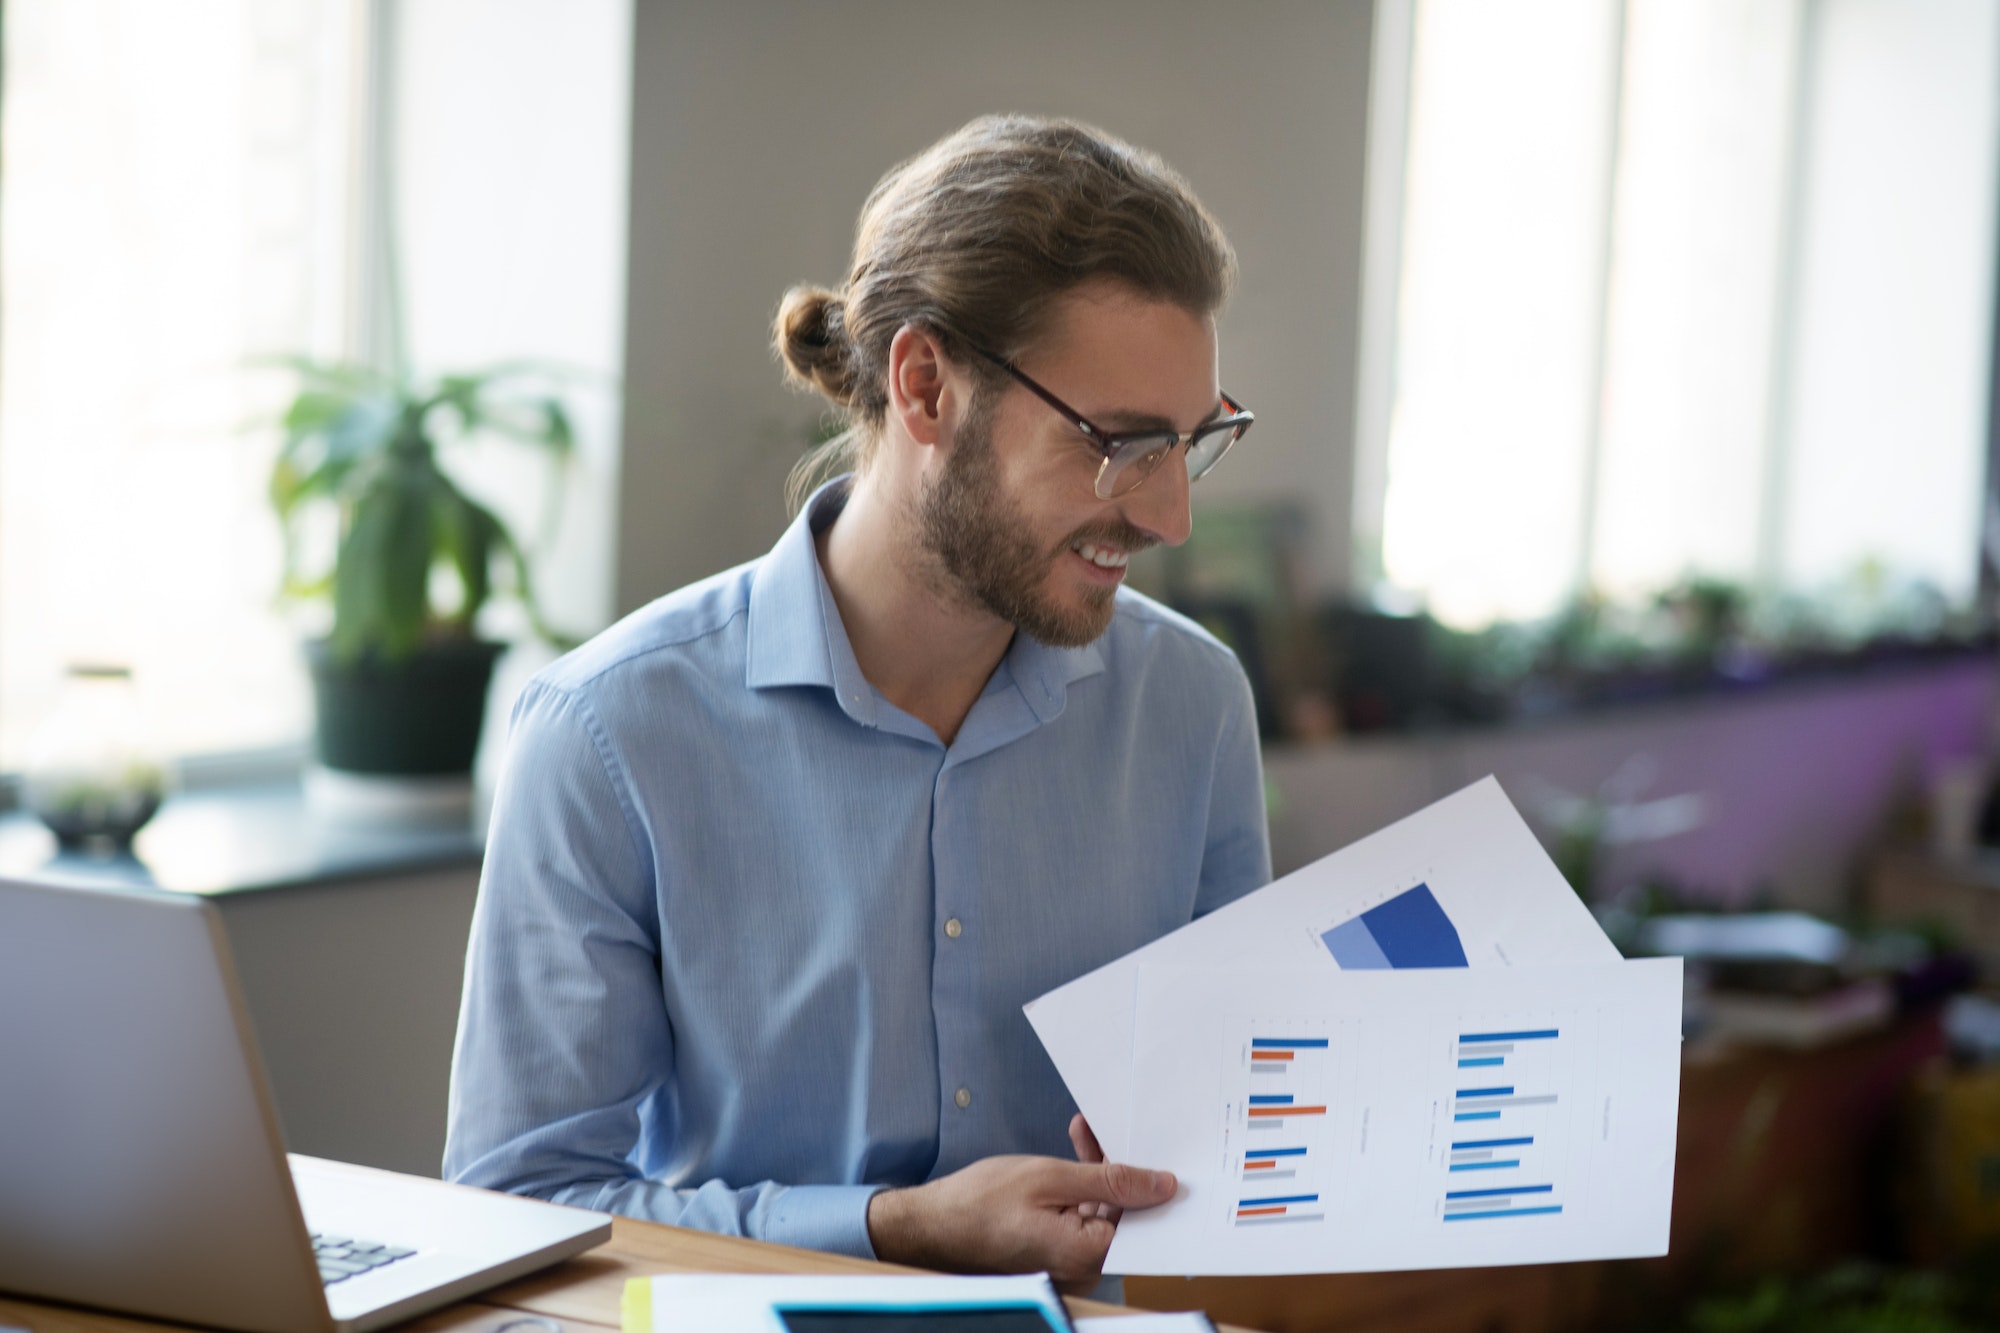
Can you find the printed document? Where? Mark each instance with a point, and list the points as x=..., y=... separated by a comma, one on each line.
x=1460, y=884
x=1326, y=1121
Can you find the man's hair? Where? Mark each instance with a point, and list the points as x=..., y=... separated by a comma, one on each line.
x=975, y=239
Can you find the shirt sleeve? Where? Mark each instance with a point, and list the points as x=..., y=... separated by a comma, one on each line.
x=1236, y=858
x=563, y=1032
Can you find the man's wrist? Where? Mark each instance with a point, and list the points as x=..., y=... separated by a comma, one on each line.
x=888, y=1225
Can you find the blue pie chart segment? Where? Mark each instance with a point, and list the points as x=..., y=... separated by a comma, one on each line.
x=1410, y=930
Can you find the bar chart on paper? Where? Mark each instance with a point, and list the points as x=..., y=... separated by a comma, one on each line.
x=1322, y=1120
x=1409, y=930
x=1276, y=1142
x=1505, y=1158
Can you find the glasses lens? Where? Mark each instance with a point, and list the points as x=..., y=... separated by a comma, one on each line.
x=1134, y=460
x=1207, y=450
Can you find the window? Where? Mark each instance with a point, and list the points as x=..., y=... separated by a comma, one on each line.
x=1686, y=288
x=183, y=195
x=174, y=206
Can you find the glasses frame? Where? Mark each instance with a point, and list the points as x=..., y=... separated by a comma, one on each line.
x=1239, y=420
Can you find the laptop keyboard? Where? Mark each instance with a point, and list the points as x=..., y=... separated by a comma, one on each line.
x=341, y=1257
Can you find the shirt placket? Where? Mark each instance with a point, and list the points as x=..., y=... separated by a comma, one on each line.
x=956, y=945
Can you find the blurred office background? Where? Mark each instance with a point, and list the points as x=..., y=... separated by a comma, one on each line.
x=1625, y=375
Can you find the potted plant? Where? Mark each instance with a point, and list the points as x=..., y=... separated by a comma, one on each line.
x=409, y=559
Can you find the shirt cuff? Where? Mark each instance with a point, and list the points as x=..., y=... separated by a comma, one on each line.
x=833, y=1218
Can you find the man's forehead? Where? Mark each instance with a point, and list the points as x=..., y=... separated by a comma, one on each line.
x=1141, y=362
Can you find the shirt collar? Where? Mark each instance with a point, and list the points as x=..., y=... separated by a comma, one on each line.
x=1044, y=674
x=796, y=636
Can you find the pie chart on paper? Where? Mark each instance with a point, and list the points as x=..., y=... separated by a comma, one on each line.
x=1410, y=930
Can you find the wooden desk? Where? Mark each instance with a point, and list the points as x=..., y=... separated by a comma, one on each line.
x=580, y=1295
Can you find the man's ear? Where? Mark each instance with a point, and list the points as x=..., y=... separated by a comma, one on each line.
x=923, y=387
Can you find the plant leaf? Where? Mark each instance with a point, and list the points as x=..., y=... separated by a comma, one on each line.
x=381, y=592
x=464, y=534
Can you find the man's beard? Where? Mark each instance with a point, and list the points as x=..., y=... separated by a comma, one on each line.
x=987, y=556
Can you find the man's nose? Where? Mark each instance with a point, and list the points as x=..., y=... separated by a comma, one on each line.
x=1159, y=504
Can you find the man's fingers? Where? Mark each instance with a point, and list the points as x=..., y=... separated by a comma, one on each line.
x=1085, y=1142
x=1115, y=1183
x=1136, y=1187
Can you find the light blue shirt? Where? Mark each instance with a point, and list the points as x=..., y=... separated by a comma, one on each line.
x=752, y=944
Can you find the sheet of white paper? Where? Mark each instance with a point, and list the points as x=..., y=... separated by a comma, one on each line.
x=1472, y=855
x=1136, y=1323
x=728, y=1302
x=1331, y=1122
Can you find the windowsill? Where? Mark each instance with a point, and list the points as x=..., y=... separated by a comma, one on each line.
x=1546, y=702
x=237, y=839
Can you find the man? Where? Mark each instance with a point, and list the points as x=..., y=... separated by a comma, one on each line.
x=777, y=859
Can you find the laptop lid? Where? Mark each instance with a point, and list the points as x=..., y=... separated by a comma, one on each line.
x=141, y=1167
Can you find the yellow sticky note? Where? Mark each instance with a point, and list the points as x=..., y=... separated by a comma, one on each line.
x=636, y=1308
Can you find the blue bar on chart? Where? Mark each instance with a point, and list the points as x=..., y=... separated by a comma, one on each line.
x=1409, y=930
x=1501, y=1212
x=1511, y=1189
x=1481, y=1038
x=1495, y=1201
x=1283, y=1208
x=1287, y=1043
x=1522, y=1053
x=1262, y=1164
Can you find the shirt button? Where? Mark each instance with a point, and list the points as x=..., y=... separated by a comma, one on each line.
x=963, y=1097
x=953, y=928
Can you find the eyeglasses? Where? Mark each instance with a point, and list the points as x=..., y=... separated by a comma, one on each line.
x=1132, y=456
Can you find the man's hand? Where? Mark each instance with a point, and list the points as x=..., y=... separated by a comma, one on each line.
x=1014, y=1215
x=1087, y=1150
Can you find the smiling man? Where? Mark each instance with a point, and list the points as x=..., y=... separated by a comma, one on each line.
x=776, y=860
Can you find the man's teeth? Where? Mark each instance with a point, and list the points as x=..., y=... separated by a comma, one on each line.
x=1100, y=556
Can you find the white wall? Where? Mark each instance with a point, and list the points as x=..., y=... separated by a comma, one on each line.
x=353, y=987
x=759, y=127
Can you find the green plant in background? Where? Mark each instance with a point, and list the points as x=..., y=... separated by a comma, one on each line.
x=1853, y=1298
x=1708, y=616
x=366, y=443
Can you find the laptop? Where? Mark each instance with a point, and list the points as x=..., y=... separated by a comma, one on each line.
x=141, y=1164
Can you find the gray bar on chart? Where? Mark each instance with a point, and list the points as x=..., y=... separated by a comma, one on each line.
x=1483, y=1103
x=1254, y=1176
x=1273, y=1221
x=1481, y=1155
x=1469, y=1205
x=1495, y=1048
x=1270, y=1069
x=1265, y=1124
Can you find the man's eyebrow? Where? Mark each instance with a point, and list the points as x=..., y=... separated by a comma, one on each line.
x=1123, y=423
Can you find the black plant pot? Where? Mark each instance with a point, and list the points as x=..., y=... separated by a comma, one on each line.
x=417, y=717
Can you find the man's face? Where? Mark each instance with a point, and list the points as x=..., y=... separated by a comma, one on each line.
x=1012, y=516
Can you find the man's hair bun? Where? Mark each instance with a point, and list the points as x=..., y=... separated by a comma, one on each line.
x=812, y=338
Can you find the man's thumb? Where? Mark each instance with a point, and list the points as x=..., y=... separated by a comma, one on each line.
x=1136, y=1187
